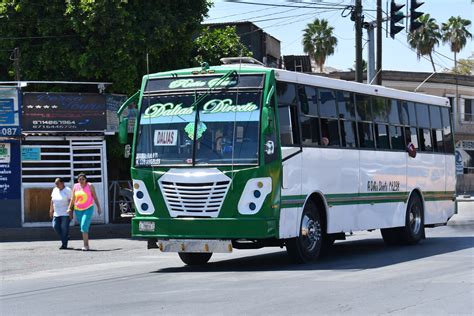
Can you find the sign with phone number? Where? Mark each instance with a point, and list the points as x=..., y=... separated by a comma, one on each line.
x=9, y=113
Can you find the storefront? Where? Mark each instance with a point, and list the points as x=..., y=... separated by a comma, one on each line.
x=63, y=136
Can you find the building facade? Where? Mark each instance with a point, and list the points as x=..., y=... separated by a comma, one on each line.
x=264, y=47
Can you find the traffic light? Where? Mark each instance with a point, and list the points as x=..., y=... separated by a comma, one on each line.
x=395, y=16
x=414, y=15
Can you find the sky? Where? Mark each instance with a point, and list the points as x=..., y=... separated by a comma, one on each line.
x=287, y=25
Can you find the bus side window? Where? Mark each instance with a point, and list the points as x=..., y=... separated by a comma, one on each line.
x=447, y=131
x=328, y=114
x=289, y=130
x=411, y=136
x=347, y=116
x=436, y=128
x=288, y=126
x=396, y=138
x=425, y=139
x=438, y=143
x=348, y=134
x=366, y=129
x=424, y=132
x=309, y=130
x=366, y=135
x=381, y=133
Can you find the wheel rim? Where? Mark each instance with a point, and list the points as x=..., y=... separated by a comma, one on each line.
x=415, y=218
x=310, y=233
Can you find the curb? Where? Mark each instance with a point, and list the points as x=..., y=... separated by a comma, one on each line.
x=47, y=233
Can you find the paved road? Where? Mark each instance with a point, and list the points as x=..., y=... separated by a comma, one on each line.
x=360, y=276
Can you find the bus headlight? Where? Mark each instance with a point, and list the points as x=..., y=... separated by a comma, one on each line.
x=142, y=199
x=254, y=194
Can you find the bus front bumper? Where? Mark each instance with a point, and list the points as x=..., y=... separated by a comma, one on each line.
x=204, y=228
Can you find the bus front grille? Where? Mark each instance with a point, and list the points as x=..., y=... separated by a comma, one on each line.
x=194, y=199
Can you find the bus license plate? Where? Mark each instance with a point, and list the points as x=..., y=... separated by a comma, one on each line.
x=195, y=245
x=146, y=226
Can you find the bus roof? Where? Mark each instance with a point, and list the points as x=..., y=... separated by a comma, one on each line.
x=376, y=90
x=320, y=81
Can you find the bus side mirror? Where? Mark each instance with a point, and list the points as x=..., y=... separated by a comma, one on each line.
x=123, y=131
x=267, y=120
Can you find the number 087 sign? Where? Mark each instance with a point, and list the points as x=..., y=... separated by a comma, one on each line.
x=9, y=113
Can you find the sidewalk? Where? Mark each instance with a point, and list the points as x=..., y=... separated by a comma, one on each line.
x=465, y=215
x=47, y=233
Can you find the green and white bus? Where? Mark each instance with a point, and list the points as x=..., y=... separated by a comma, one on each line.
x=242, y=156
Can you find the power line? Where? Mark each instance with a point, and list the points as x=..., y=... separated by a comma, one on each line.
x=451, y=59
x=236, y=14
x=311, y=6
x=283, y=17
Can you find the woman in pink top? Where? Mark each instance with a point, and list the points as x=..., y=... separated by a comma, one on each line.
x=82, y=202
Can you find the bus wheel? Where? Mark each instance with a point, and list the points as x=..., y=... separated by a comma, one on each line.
x=414, y=229
x=195, y=258
x=307, y=246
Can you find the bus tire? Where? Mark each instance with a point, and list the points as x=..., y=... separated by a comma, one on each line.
x=307, y=246
x=391, y=236
x=414, y=229
x=195, y=258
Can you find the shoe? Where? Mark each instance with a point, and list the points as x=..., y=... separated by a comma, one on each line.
x=63, y=247
x=85, y=248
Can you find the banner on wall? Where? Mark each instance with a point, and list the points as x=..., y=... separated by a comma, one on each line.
x=63, y=112
x=9, y=112
x=10, y=184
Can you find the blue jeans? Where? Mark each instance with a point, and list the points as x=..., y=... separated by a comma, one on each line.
x=61, y=226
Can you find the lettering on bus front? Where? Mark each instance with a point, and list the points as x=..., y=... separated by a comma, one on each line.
x=383, y=186
x=210, y=107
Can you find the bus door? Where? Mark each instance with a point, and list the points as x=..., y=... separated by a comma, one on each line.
x=291, y=155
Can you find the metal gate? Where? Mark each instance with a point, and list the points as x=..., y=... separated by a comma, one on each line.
x=46, y=158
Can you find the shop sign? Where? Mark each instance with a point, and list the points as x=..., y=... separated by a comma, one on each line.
x=9, y=113
x=63, y=112
x=30, y=153
x=9, y=171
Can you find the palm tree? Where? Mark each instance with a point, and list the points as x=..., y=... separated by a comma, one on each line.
x=456, y=34
x=425, y=38
x=319, y=41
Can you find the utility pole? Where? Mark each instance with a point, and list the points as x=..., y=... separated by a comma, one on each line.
x=16, y=63
x=370, y=52
x=378, y=72
x=358, y=36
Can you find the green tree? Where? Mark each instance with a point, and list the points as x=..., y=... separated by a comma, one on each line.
x=319, y=41
x=455, y=33
x=465, y=67
x=213, y=44
x=425, y=38
x=98, y=40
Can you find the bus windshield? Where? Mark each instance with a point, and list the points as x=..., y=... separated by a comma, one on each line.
x=221, y=129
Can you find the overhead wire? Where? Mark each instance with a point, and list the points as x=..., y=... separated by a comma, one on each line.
x=309, y=5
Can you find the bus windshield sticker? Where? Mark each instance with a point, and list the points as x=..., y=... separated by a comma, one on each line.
x=147, y=159
x=191, y=83
x=166, y=137
x=204, y=83
x=189, y=129
x=210, y=107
